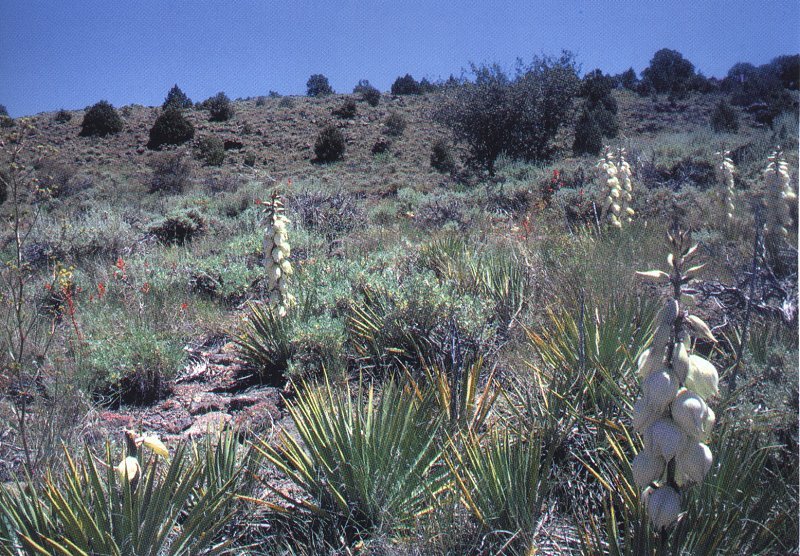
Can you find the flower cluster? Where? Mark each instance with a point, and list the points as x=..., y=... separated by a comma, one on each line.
x=619, y=187
x=672, y=414
x=725, y=171
x=276, y=256
x=779, y=194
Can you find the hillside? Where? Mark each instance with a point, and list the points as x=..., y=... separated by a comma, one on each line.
x=494, y=311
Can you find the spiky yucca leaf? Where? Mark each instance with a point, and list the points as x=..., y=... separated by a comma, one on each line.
x=503, y=481
x=372, y=464
x=738, y=509
x=265, y=340
x=90, y=510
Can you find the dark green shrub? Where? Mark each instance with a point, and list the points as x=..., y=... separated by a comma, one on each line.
x=210, y=150
x=7, y=122
x=371, y=96
x=318, y=86
x=362, y=86
x=178, y=227
x=394, y=125
x=100, y=120
x=286, y=102
x=381, y=145
x=219, y=107
x=628, y=79
x=405, y=85
x=441, y=157
x=724, y=118
x=249, y=159
x=596, y=88
x=607, y=121
x=62, y=116
x=588, y=136
x=172, y=173
x=668, y=72
x=261, y=101
x=3, y=110
x=177, y=99
x=347, y=110
x=329, y=145
x=519, y=116
x=787, y=69
x=170, y=128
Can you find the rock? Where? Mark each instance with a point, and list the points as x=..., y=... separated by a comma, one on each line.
x=207, y=403
x=208, y=422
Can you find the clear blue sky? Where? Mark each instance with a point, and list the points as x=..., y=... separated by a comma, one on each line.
x=72, y=53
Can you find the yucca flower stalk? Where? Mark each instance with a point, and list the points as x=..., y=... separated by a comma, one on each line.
x=672, y=415
x=276, y=256
x=616, y=172
x=624, y=170
x=779, y=196
x=725, y=170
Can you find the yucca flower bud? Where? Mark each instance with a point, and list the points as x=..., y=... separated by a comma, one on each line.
x=663, y=506
x=702, y=378
x=725, y=171
x=692, y=464
x=276, y=250
x=672, y=415
x=624, y=170
x=616, y=172
x=647, y=467
x=666, y=438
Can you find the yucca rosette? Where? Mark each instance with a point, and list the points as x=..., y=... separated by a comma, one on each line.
x=672, y=414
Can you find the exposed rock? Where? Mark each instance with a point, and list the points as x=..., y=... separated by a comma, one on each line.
x=209, y=422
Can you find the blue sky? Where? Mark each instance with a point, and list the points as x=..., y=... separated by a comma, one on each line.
x=70, y=54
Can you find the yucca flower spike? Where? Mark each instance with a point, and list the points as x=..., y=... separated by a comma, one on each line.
x=615, y=170
x=725, y=171
x=672, y=414
x=276, y=250
x=779, y=195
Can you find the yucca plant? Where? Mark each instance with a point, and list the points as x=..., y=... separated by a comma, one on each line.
x=599, y=346
x=366, y=464
x=265, y=340
x=503, y=482
x=91, y=510
x=738, y=509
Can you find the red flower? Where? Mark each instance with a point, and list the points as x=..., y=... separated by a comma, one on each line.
x=184, y=306
x=101, y=290
x=145, y=287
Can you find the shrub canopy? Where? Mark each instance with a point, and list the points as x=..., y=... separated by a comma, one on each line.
x=100, y=120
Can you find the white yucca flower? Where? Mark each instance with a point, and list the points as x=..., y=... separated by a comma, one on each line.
x=672, y=414
x=779, y=195
x=725, y=171
x=616, y=172
x=276, y=250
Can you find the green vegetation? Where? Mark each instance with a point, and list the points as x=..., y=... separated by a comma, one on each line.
x=101, y=120
x=409, y=354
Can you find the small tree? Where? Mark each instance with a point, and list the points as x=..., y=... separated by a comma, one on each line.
x=329, y=145
x=669, y=72
x=211, y=150
x=170, y=128
x=628, y=79
x=100, y=120
x=177, y=99
x=3, y=110
x=219, y=108
x=405, y=85
x=588, y=135
x=318, y=86
x=724, y=118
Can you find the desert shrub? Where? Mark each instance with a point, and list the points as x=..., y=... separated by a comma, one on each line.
x=333, y=214
x=330, y=145
x=724, y=118
x=7, y=122
x=519, y=116
x=787, y=69
x=442, y=157
x=668, y=72
x=628, y=79
x=381, y=145
x=219, y=107
x=371, y=96
x=62, y=116
x=210, y=150
x=347, y=110
x=588, y=135
x=172, y=173
x=436, y=211
x=170, y=128
x=3, y=110
x=394, y=125
x=286, y=102
x=176, y=99
x=100, y=120
x=249, y=159
x=318, y=86
x=405, y=85
x=261, y=101
x=54, y=176
x=596, y=89
x=178, y=227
